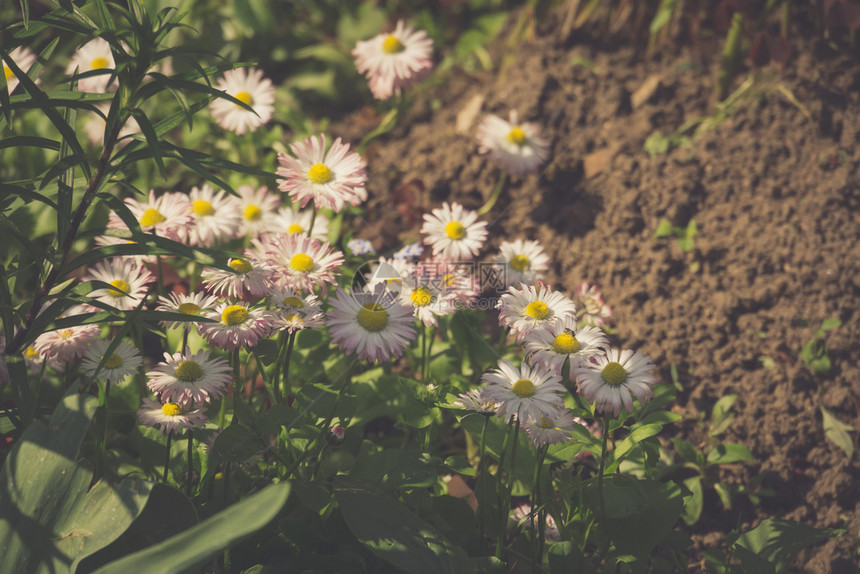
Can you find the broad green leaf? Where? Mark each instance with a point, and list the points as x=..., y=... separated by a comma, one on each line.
x=664, y=229
x=837, y=432
x=830, y=323
x=728, y=453
x=394, y=468
x=50, y=518
x=198, y=544
x=640, y=513
x=638, y=435
x=693, y=505
x=721, y=415
x=395, y=533
x=778, y=541
x=234, y=445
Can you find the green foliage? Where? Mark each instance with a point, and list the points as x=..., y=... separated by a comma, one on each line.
x=837, y=432
x=686, y=235
x=814, y=353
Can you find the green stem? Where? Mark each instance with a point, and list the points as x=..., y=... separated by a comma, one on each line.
x=167, y=457
x=313, y=218
x=423, y=353
x=497, y=191
x=287, y=361
x=482, y=477
x=600, y=470
x=506, y=502
x=104, y=397
x=237, y=387
x=190, y=477
x=538, y=509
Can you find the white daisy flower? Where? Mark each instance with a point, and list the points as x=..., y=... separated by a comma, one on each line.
x=66, y=345
x=454, y=232
x=249, y=87
x=591, y=308
x=375, y=327
x=129, y=281
x=551, y=428
x=518, y=147
x=426, y=291
x=94, y=55
x=258, y=209
x=190, y=378
x=410, y=251
x=250, y=279
x=169, y=417
x=298, y=319
x=123, y=362
x=612, y=380
x=552, y=345
x=164, y=216
x=24, y=58
x=300, y=262
x=360, y=247
x=289, y=221
x=287, y=299
x=395, y=60
x=527, y=392
x=471, y=401
x=330, y=178
x=238, y=326
x=524, y=261
x=188, y=304
x=217, y=216
x=526, y=307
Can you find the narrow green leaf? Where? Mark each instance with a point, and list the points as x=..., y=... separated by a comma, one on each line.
x=196, y=545
x=29, y=141
x=6, y=305
x=25, y=12
x=778, y=541
x=35, y=254
x=151, y=139
x=104, y=14
x=728, y=453
x=637, y=436
x=837, y=432
x=66, y=182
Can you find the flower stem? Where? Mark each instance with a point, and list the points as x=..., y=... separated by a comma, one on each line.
x=104, y=397
x=482, y=477
x=506, y=503
x=189, y=478
x=167, y=457
x=600, y=471
x=497, y=191
x=287, y=360
x=538, y=512
x=237, y=387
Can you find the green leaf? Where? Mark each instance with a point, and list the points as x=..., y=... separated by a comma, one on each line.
x=664, y=229
x=638, y=435
x=837, y=432
x=151, y=139
x=234, y=445
x=466, y=334
x=721, y=417
x=728, y=453
x=693, y=505
x=196, y=545
x=640, y=513
x=50, y=518
x=394, y=468
x=830, y=323
x=778, y=541
x=688, y=452
x=395, y=533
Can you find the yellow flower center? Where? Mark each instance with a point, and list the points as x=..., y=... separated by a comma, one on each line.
x=245, y=98
x=520, y=262
x=189, y=308
x=294, y=302
x=234, y=315
x=319, y=173
x=253, y=213
x=67, y=334
x=546, y=423
x=240, y=265
x=302, y=262
x=295, y=228
x=614, y=374
x=202, y=207
x=537, y=310
x=565, y=344
x=151, y=217
x=523, y=388
x=516, y=136
x=392, y=45
x=455, y=230
x=372, y=317
x=99, y=62
x=189, y=371
x=113, y=362
x=171, y=409
x=122, y=288
x=7, y=71
x=292, y=316
x=30, y=353
x=421, y=297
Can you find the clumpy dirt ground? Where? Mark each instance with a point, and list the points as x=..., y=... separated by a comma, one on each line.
x=773, y=189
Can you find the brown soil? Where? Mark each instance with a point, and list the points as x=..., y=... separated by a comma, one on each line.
x=774, y=193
